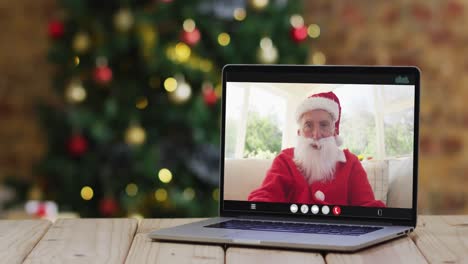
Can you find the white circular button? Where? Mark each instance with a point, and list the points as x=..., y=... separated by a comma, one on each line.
x=293, y=208
x=325, y=210
x=314, y=209
x=304, y=209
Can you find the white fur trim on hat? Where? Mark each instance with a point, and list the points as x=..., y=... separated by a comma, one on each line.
x=313, y=103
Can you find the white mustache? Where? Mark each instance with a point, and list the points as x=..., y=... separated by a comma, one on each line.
x=317, y=144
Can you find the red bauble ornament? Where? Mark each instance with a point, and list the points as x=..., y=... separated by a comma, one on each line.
x=191, y=38
x=108, y=206
x=56, y=29
x=77, y=145
x=299, y=34
x=209, y=97
x=102, y=75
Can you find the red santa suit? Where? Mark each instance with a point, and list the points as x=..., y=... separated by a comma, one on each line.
x=284, y=183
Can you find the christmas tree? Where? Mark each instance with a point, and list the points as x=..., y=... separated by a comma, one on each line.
x=138, y=129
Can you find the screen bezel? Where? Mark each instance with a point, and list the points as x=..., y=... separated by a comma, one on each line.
x=320, y=74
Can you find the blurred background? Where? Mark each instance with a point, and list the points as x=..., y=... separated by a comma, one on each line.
x=112, y=108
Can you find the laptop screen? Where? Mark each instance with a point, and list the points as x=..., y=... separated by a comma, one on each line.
x=320, y=141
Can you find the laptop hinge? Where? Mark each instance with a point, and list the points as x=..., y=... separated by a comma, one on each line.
x=303, y=220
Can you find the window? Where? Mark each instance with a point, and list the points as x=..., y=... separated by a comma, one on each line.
x=399, y=132
x=358, y=124
x=255, y=118
x=377, y=121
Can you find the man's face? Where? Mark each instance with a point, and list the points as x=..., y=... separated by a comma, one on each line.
x=316, y=124
x=316, y=151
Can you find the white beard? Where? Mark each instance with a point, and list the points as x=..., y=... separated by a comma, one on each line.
x=317, y=164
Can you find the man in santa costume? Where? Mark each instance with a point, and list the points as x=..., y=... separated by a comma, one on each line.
x=316, y=171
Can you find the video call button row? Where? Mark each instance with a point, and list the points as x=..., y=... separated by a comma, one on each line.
x=315, y=209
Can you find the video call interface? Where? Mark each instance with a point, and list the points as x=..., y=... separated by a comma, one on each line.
x=320, y=149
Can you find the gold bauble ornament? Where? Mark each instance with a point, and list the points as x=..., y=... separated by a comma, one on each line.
x=123, y=20
x=81, y=42
x=135, y=135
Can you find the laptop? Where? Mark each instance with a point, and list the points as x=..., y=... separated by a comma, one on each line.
x=314, y=157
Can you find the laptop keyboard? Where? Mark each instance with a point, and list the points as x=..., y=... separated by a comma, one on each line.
x=289, y=227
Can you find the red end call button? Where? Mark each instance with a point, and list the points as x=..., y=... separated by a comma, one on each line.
x=336, y=210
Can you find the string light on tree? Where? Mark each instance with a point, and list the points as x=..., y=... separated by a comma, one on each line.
x=182, y=92
x=102, y=73
x=224, y=39
x=135, y=135
x=188, y=194
x=267, y=52
x=165, y=175
x=258, y=4
x=313, y=31
x=131, y=189
x=81, y=42
x=215, y=194
x=298, y=30
x=170, y=84
x=318, y=58
x=75, y=92
x=239, y=14
x=182, y=52
x=76, y=60
x=190, y=35
x=87, y=193
x=123, y=20
x=160, y=195
x=141, y=103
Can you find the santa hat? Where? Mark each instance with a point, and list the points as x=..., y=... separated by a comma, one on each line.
x=325, y=101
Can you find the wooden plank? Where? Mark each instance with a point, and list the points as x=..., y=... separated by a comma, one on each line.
x=148, y=225
x=18, y=238
x=442, y=239
x=144, y=250
x=85, y=241
x=401, y=250
x=267, y=256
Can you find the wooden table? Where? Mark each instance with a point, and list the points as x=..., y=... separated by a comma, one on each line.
x=437, y=239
